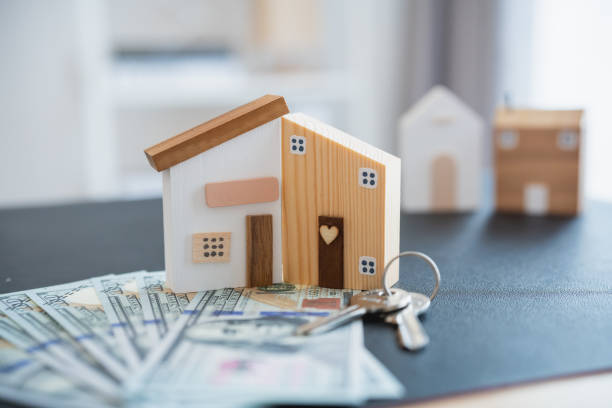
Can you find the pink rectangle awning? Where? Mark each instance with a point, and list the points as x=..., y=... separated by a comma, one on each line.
x=240, y=192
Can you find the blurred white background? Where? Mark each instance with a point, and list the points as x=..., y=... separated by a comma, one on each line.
x=86, y=86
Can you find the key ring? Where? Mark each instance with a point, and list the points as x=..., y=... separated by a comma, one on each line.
x=421, y=255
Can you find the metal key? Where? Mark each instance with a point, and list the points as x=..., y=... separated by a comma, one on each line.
x=370, y=302
x=410, y=333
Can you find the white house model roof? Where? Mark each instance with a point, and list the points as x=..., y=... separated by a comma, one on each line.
x=439, y=105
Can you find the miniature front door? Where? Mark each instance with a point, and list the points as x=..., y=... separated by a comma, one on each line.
x=535, y=198
x=259, y=250
x=443, y=183
x=331, y=252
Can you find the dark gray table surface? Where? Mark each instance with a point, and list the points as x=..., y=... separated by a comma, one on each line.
x=522, y=298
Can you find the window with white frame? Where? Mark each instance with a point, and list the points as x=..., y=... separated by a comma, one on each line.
x=297, y=144
x=368, y=178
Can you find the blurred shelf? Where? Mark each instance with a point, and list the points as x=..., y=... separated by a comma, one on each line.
x=214, y=82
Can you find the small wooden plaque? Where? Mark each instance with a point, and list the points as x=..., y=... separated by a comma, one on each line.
x=209, y=247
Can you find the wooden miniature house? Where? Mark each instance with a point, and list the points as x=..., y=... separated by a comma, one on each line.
x=258, y=196
x=440, y=142
x=537, y=161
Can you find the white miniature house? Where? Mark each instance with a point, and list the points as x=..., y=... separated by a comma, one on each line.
x=440, y=141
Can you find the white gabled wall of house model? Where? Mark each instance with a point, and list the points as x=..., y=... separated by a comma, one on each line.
x=256, y=153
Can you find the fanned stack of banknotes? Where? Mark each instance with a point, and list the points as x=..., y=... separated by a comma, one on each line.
x=126, y=340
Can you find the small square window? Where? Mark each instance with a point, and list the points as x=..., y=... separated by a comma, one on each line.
x=297, y=144
x=209, y=247
x=367, y=265
x=368, y=178
x=508, y=139
x=567, y=140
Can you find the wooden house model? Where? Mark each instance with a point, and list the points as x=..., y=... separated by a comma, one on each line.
x=440, y=142
x=258, y=196
x=537, y=161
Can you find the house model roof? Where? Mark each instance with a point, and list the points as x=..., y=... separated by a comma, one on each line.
x=537, y=119
x=342, y=138
x=439, y=105
x=216, y=131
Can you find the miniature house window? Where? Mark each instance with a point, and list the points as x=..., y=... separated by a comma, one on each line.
x=508, y=139
x=567, y=140
x=368, y=178
x=367, y=265
x=209, y=247
x=297, y=144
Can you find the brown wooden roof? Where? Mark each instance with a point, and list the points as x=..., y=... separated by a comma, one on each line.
x=535, y=118
x=216, y=131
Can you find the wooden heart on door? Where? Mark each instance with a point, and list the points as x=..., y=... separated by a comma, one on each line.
x=329, y=234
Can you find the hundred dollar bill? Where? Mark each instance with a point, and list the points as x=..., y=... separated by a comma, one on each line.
x=280, y=296
x=76, y=307
x=25, y=380
x=254, y=355
x=12, y=333
x=161, y=307
x=119, y=297
x=38, y=324
x=377, y=383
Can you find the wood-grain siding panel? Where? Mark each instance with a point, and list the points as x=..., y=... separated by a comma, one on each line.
x=325, y=181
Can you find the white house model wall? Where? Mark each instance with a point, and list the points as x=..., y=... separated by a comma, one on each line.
x=440, y=144
x=254, y=154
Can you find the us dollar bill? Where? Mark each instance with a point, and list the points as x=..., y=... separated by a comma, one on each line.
x=378, y=382
x=77, y=308
x=25, y=380
x=280, y=296
x=46, y=352
x=12, y=333
x=121, y=301
x=254, y=355
x=161, y=307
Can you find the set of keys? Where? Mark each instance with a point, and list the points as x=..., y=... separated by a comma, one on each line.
x=398, y=307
